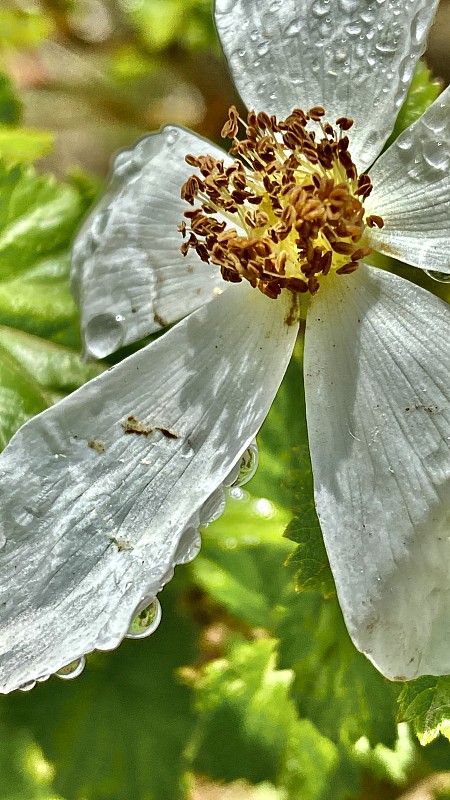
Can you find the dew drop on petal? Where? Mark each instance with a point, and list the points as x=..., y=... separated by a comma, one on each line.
x=440, y=277
x=172, y=136
x=436, y=154
x=188, y=546
x=248, y=465
x=27, y=687
x=146, y=621
x=293, y=29
x=213, y=508
x=263, y=47
x=72, y=670
x=104, y=334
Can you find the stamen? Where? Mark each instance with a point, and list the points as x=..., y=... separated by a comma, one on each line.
x=287, y=214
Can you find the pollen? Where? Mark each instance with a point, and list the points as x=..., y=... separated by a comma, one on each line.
x=288, y=211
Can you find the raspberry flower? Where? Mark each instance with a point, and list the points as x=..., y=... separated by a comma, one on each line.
x=103, y=493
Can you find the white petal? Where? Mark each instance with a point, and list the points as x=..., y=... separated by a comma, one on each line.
x=127, y=266
x=377, y=371
x=412, y=192
x=92, y=532
x=353, y=57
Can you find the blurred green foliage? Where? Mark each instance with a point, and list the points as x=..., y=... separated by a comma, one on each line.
x=252, y=676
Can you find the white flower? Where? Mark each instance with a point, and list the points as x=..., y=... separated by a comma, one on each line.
x=89, y=534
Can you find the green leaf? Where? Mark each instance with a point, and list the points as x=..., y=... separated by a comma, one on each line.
x=38, y=216
x=23, y=145
x=336, y=687
x=285, y=476
x=39, y=301
x=120, y=729
x=20, y=397
x=425, y=703
x=248, y=726
x=54, y=368
x=423, y=91
x=10, y=106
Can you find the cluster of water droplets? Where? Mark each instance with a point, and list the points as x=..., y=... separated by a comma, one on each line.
x=374, y=45
x=67, y=673
x=424, y=148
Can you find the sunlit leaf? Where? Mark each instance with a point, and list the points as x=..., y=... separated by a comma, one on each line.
x=336, y=686
x=425, y=703
x=248, y=726
x=23, y=145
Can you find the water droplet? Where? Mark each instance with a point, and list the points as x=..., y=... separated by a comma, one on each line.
x=320, y=8
x=98, y=225
x=27, y=687
x=440, y=277
x=340, y=54
x=349, y=5
x=293, y=29
x=188, y=546
x=213, y=508
x=419, y=26
x=263, y=47
x=353, y=29
x=248, y=465
x=226, y=7
x=104, y=334
x=368, y=16
x=72, y=670
x=186, y=451
x=146, y=621
x=406, y=68
x=436, y=154
x=386, y=46
x=171, y=136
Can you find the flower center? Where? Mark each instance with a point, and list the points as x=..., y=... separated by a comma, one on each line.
x=288, y=211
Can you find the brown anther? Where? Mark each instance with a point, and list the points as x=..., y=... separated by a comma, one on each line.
x=296, y=285
x=190, y=189
x=316, y=113
x=193, y=161
x=295, y=214
x=231, y=126
x=344, y=123
x=313, y=284
x=347, y=269
x=325, y=262
x=373, y=220
x=343, y=248
x=182, y=228
x=363, y=252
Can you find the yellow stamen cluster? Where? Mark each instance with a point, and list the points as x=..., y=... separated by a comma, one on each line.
x=287, y=212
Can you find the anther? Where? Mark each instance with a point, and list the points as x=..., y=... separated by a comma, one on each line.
x=375, y=220
x=309, y=213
